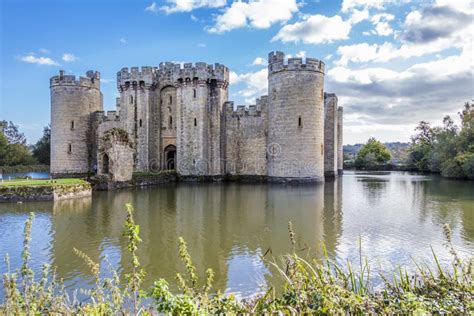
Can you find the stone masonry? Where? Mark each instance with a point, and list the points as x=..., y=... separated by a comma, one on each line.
x=179, y=117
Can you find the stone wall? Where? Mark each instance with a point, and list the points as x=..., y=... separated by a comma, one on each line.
x=330, y=135
x=340, y=157
x=44, y=193
x=246, y=140
x=73, y=100
x=115, y=156
x=295, y=118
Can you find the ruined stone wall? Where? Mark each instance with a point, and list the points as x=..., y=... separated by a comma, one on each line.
x=73, y=100
x=296, y=118
x=330, y=134
x=246, y=140
x=340, y=157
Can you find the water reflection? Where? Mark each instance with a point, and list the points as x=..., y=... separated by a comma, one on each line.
x=229, y=227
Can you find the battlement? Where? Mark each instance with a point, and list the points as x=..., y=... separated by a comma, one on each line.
x=103, y=116
x=276, y=63
x=244, y=111
x=330, y=96
x=91, y=80
x=188, y=71
x=136, y=76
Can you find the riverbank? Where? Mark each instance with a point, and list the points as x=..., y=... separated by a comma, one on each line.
x=22, y=190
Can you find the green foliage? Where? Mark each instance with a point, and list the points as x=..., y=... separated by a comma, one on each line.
x=13, y=149
x=314, y=286
x=372, y=154
x=447, y=149
x=42, y=150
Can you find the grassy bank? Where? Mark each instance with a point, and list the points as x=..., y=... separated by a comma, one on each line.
x=22, y=169
x=40, y=182
x=315, y=286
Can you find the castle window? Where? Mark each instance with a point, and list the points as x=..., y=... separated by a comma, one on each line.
x=194, y=92
x=300, y=124
x=131, y=99
x=195, y=122
x=170, y=122
x=171, y=99
x=72, y=125
x=69, y=148
x=140, y=122
x=322, y=149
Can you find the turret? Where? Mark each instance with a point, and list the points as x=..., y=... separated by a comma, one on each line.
x=73, y=100
x=295, y=118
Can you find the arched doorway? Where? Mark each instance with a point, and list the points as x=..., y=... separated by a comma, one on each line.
x=105, y=164
x=170, y=157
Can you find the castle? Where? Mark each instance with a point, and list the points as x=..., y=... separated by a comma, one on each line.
x=179, y=117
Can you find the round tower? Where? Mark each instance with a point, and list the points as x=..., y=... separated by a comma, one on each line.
x=72, y=103
x=296, y=118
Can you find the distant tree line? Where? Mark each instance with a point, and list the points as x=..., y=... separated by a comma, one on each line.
x=14, y=150
x=448, y=149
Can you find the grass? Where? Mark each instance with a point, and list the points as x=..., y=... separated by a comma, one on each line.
x=314, y=286
x=40, y=182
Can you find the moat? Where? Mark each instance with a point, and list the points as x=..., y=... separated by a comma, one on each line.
x=229, y=227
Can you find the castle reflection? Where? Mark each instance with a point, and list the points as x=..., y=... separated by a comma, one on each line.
x=235, y=229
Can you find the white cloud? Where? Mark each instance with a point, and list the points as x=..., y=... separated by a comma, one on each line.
x=194, y=18
x=381, y=23
x=31, y=59
x=315, y=29
x=152, y=8
x=123, y=40
x=69, y=58
x=301, y=54
x=348, y=5
x=259, y=61
x=426, y=90
x=189, y=5
x=255, y=84
x=422, y=33
x=202, y=45
x=260, y=14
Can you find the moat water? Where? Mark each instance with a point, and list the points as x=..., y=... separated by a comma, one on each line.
x=229, y=227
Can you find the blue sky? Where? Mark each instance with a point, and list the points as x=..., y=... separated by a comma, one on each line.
x=392, y=63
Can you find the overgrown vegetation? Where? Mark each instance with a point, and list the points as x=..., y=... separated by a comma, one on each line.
x=40, y=182
x=449, y=149
x=310, y=286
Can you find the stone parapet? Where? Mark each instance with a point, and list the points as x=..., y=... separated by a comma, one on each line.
x=276, y=63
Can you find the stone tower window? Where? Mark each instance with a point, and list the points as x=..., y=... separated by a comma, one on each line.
x=72, y=125
x=140, y=122
x=170, y=122
x=322, y=149
x=300, y=124
x=69, y=148
x=171, y=100
x=131, y=99
x=194, y=93
x=195, y=122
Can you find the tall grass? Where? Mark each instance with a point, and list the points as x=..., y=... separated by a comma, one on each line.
x=320, y=286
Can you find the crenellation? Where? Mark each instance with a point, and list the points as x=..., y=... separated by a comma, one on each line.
x=178, y=116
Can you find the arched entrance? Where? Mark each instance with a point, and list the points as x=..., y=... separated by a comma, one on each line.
x=170, y=157
x=105, y=164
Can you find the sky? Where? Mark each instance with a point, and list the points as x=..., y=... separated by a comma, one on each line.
x=392, y=63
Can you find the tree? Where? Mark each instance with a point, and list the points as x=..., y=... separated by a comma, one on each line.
x=448, y=149
x=372, y=154
x=3, y=148
x=13, y=134
x=42, y=149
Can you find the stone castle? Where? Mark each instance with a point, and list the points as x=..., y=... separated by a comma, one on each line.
x=179, y=117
